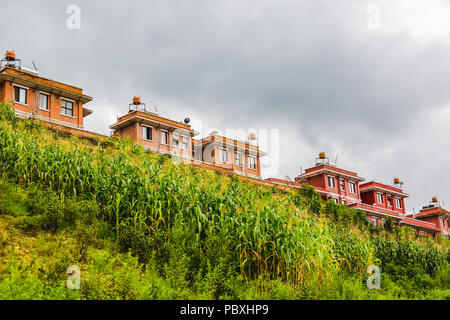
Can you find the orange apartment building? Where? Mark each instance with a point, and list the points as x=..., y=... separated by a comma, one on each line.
x=154, y=132
x=239, y=157
x=57, y=104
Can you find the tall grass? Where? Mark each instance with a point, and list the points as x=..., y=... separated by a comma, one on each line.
x=204, y=224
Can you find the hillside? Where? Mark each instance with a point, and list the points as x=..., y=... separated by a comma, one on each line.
x=141, y=226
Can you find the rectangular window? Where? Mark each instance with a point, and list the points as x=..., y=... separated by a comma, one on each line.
x=43, y=101
x=331, y=182
x=421, y=233
x=164, y=137
x=20, y=95
x=184, y=143
x=389, y=199
x=175, y=140
x=238, y=159
x=224, y=155
x=67, y=108
x=147, y=133
x=442, y=222
x=374, y=221
x=352, y=187
x=334, y=200
x=252, y=163
x=398, y=203
x=380, y=198
x=342, y=183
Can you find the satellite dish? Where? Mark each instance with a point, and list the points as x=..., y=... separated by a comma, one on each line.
x=187, y=120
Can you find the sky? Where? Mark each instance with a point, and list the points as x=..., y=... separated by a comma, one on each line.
x=367, y=82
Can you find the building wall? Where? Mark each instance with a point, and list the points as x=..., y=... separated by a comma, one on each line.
x=32, y=106
x=134, y=133
x=211, y=154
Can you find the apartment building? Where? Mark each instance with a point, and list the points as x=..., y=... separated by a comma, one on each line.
x=57, y=104
x=378, y=200
x=154, y=132
x=433, y=219
x=239, y=157
x=333, y=183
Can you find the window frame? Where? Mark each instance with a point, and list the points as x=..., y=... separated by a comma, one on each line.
x=331, y=185
x=342, y=184
x=398, y=203
x=223, y=151
x=374, y=222
x=42, y=93
x=15, y=86
x=147, y=128
x=380, y=196
x=352, y=187
x=67, y=101
x=177, y=136
x=250, y=162
x=238, y=155
x=166, y=133
x=183, y=137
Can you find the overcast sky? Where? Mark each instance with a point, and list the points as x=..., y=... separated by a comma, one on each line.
x=365, y=81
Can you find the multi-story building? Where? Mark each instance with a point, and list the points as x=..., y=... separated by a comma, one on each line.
x=154, y=132
x=377, y=200
x=333, y=183
x=57, y=104
x=433, y=219
x=381, y=200
x=239, y=157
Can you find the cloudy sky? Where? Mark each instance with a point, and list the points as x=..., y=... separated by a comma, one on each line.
x=368, y=82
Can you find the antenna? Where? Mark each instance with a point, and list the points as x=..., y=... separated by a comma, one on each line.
x=154, y=106
x=34, y=65
x=335, y=160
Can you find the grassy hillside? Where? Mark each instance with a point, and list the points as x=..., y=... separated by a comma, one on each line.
x=141, y=226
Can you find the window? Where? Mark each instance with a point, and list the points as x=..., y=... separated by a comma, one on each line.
x=380, y=198
x=331, y=182
x=252, y=163
x=175, y=140
x=146, y=133
x=238, y=159
x=352, y=187
x=389, y=199
x=164, y=137
x=66, y=108
x=442, y=222
x=335, y=200
x=342, y=183
x=184, y=142
x=20, y=95
x=374, y=221
x=398, y=203
x=43, y=101
x=421, y=233
x=224, y=155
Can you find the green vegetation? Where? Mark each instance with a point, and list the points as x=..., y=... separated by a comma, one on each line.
x=141, y=226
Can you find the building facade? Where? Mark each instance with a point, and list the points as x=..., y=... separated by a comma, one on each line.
x=57, y=104
x=333, y=183
x=154, y=132
x=378, y=200
x=239, y=157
